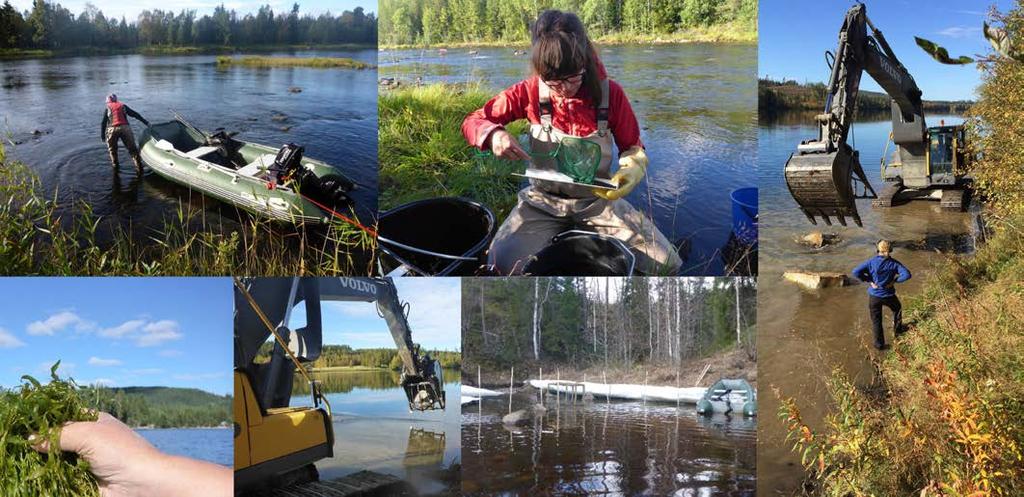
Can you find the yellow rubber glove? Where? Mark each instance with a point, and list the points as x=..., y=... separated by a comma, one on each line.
x=632, y=167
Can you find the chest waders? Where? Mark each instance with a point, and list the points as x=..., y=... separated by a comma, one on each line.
x=546, y=208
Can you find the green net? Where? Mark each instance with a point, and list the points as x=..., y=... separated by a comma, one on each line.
x=575, y=157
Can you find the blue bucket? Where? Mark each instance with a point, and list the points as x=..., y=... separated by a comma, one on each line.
x=744, y=215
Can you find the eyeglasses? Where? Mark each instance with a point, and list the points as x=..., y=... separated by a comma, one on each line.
x=570, y=80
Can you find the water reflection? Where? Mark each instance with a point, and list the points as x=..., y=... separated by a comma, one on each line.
x=697, y=107
x=604, y=448
x=374, y=430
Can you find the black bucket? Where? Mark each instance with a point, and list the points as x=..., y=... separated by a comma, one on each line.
x=582, y=253
x=444, y=236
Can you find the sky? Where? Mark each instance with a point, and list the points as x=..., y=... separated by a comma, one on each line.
x=795, y=34
x=435, y=317
x=118, y=331
x=131, y=10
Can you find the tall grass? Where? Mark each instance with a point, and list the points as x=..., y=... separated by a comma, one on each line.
x=39, y=237
x=947, y=416
x=423, y=154
x=319, y=62
x=40, y=410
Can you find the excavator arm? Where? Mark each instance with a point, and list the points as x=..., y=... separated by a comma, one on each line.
x=421, y=378
x=823, y=173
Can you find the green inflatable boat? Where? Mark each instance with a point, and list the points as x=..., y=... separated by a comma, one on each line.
x=279, y=184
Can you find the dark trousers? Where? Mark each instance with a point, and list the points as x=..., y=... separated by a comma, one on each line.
x=875, y=305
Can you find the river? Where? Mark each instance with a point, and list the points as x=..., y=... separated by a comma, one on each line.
x=804, y=335
x=51, y=109
x=374, y=430
x=697, y=108
x=605, y=448
x=211, y=445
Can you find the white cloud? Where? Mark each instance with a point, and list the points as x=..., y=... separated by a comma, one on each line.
x=144, y=371
x=96, y=361
x=9, y=341
x=125, y=328
x=59, y=322
x=158, y=332
x=101, y=382
x=170, y=353
x=960, y=31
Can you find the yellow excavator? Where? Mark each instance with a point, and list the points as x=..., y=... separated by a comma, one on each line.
x=824, y=175
x=276, y=445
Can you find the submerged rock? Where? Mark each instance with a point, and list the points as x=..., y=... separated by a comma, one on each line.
x=295, y=89
x=815, y=280
x=818, y=239
x=523, y=416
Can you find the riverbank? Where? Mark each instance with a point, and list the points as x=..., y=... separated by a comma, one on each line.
x=37, y=239
x=317, y=62
x=946, y=412
x=735, y=32
x=31, y=53
x=789, y=96
x=423, y=154
x=732, y=363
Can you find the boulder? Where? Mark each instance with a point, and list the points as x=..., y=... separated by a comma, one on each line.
x=818, y=239
x=816, y=280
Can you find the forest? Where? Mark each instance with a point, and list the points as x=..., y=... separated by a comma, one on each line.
x=775, y=96
x=606, y=321
x=50, y=26
x=344, y=356
x=160, y=407
x=428, y=22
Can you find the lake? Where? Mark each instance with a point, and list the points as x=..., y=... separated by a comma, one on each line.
x=52, y=110
x=212, y=445
x=374, y=430
x=804, y=335
x=697, y=108
x=605, y=448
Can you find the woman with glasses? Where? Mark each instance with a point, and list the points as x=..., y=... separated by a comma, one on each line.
x=569, y=94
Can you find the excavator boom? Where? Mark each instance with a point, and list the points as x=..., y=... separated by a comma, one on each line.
x=823, y=174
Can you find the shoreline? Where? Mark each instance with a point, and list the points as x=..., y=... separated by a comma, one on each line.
x=35, y=53
x=714, y=34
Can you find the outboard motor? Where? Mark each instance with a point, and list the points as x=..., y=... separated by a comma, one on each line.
x=329, y=189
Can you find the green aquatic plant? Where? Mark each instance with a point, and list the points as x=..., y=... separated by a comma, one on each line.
x=37, y=410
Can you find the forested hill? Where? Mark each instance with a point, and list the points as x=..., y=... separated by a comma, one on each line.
x=780, y=96
x=344, y=356
x=161, y=407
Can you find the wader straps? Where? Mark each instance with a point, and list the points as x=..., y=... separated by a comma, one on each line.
x=544, y=102
x=602, y=110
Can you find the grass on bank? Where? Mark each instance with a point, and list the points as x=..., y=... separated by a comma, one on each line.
x=37, y=409
x=318, y=62
x=947, y=417
x=36, y=239
x=423, y=154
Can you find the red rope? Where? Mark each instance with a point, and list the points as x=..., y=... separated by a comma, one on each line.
x=370, y=231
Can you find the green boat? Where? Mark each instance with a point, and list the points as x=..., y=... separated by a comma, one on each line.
x=278, y=184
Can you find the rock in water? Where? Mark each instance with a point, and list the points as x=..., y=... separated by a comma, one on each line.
x=516, y=417
x=818, y=239
x=815, y=280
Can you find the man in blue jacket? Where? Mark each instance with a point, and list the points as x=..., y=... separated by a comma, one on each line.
x=883, y=272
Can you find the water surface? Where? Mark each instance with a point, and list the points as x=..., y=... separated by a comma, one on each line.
x=211, y=445
x=697, y=108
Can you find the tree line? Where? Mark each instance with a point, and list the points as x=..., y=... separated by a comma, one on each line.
x=617, y=321
x=335, y=356
x=160, y=407
x=775, y=96
x=445, y=21
x=50, y=26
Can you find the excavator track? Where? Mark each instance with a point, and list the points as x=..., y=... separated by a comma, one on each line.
x=361, y=484
x=952, y=200
x=888, y=195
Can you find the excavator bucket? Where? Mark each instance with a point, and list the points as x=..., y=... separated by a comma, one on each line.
x=425, y=393
x=823, y=184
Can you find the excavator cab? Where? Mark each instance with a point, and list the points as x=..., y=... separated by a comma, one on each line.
x=276, y=443
x=945, y=153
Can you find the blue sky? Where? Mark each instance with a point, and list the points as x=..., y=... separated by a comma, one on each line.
x=118, y=331
x=131, y=10
x=434, y=316
x=795, y=34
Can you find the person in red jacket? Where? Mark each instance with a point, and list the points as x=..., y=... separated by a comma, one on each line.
x=569, y=94
x=115, y=127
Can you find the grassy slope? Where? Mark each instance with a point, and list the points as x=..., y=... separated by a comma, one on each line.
x=423, y=154
x=948, y=418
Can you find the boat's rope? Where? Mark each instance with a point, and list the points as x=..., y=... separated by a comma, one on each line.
x=368, y=230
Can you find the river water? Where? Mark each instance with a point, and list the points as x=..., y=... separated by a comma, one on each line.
x=605, y=448
x=804, y=335
x=52, y=108
x=374, y=430
x=697, y=107
x=212, y=445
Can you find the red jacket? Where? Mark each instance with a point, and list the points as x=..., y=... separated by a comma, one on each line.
x=576, y=116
